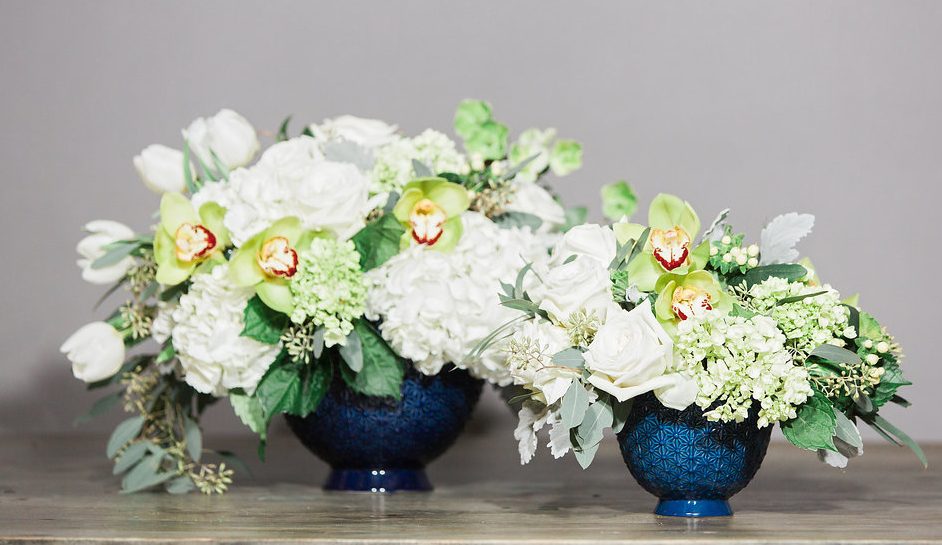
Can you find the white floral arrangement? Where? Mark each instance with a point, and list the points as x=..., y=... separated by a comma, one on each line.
x=350, y=250
x=735, y=330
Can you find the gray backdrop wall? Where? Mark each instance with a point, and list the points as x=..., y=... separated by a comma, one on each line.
x=834, y=108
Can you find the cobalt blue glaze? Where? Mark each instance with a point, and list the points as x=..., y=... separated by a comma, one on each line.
x=383, y=445
x=691, y=464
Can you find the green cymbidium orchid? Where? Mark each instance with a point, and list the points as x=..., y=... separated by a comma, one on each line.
x=187, y=239
x=268, y=260
x=683, y=296
x=430, y=209
x=669, y=248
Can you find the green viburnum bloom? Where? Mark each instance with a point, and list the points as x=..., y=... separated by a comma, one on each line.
x=566, y=157
x=187, y=239
x=482, y=135
x=669, y=248
x=532, y=143
x=430, y=209
x=269, y=260
x=329, y=288
x=683, y=296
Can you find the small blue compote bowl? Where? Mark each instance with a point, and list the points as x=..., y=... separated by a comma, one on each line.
x=691, y=464
x=383, y=445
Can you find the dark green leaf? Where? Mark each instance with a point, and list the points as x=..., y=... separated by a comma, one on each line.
x=378, y=241
x=891, y=381
x=791, y=272
x=854, y=318
x=279, y=390
x=796, y=298
x=123, y=434
x=316, y=383
x=879, y=422
x=283, y=130
x=382, y=372
x=249, y=410
x=262, y=323
x=813, y=428
x=167, y=353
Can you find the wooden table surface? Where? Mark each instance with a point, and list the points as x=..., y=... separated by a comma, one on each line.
x=60, y=489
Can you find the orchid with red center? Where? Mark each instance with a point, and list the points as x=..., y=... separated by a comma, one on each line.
x=269, y=260
x=669, y=248
x=684, y=296
x=187, y=239
x=430, y=209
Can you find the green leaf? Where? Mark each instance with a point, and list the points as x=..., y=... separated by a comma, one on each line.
x=262, y=323
x=891, y=381
x=585, y=454
x=796, y=298
x=131, y=455
x=378, y=241
x=382, y=372
x=145, y=475
x=791, y=272
x=180, y=485
x=167, y=353
x=618, y=200
x=115, y=252
x=421, y=170
x=620, y=412
x=194, y=439
x=598, y=416
x=250, y=412
x=316, y=383
x=574, y=405
x=881, y=424
x=191, y=184
x=508, y=220
x=836, y=354
x=569, y=357
x=279, y=389
x=101, y=406
x=846, y=431
x=283, y=130
x=352, y=352
x=123, y=434
x=813, y=428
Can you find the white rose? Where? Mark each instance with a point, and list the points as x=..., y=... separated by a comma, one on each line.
x=632, y=354
x=581, y=284
x=335, y=197
x=531, y=351
x=227, y=134
x=369, y=133
x=530, y=198
x=96, y=351
x=90, y=248
x=593, y=241
x=161, y=169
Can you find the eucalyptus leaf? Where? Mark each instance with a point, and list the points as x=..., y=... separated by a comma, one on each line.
x=188, y=179
x=796, y=298
x=574, y=405
x=114, y=253
x=569, y=357
x=421, y=170
x=131, y=455
x=180, y=485
x=101, y=406
x=597, y=417
x=620, y=412
x=509, y=220
x=145, y=475
x=123, y=434
x=586, y=454
x=846, y=430
x=194, y=439
x=836, y=354
x=352, y=352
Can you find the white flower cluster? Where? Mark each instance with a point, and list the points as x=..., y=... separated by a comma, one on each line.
x=207, y=327
x=737, y=361
x=807, y=323
x=393, y=167
x=436, y=306
x=292, y=178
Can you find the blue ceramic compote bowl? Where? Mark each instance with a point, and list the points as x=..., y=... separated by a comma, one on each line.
x=383, y=445
x=693, y=465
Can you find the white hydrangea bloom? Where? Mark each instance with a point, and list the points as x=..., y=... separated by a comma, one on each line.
x=436, y=306
x=807, y=323
x=207, y=337
x=393, y=167
x=741, y=362
x=292, y=178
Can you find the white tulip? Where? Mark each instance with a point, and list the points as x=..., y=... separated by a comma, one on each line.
x=227, y=134
x=90, y=248
x=369, y=133
x=161, y=169
x=96, y=351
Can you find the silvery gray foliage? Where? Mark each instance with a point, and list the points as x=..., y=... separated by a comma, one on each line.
x=779, y=237
x=344, y=151
x=715, y=231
